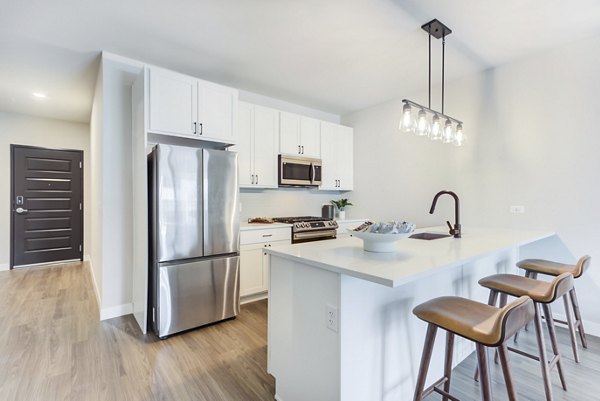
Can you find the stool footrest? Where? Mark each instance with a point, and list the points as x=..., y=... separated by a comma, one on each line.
x=523, y=353
x=434, y=388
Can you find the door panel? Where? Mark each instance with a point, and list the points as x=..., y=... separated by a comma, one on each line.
x=178, y=202
x=329, y=156
x=216, y=111
x=266, y=122
x=346, y=157
x=221, y=202
x=244, y=146
x=310, y=137
x=252, y=279
x=289, y=133
x=47, y=205
x=197, y=293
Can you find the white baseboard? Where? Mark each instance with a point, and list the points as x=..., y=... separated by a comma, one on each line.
x=116, y=311
x=4, y=266
x=254, y=297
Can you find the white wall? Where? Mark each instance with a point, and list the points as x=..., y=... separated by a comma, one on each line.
x=533, y=141
x=112, y=195
x=19, y=129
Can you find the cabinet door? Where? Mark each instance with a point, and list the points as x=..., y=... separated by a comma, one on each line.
x=345, y=157
x=217, y=108
x=252, y=272
x=289, y=133
x=310, y=137
x=329, y=153
x=266, y=135
x=244, y=147
x=172, y=102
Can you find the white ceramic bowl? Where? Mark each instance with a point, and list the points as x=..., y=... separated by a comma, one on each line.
x=374, y=242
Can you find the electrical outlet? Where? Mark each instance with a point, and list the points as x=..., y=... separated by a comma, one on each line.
x=331, y=318
x=517, y=209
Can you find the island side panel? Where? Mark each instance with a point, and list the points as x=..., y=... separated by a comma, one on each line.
x=382, y=341
x=304, y=355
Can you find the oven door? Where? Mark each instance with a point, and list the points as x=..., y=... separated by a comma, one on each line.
x=297, y=171
x=310, y=236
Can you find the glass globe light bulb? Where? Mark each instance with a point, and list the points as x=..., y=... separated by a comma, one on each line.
x=448, y=136
x=406, y=123
x=436, y=129
x=422, y=128
x=459, y=136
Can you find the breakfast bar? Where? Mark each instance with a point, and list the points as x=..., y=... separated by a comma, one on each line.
x=340, y=318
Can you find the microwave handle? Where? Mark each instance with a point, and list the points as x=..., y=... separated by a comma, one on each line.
x=312, y=173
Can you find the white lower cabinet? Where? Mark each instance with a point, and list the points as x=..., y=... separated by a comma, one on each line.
x=254, y=263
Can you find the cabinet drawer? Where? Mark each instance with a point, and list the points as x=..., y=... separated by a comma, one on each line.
x=265, y=235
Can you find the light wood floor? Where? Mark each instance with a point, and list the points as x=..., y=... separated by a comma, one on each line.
x=52, y=347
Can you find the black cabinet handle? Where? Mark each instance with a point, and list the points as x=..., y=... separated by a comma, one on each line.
x=252, y=182
x=201, y=129
x=299, y=149
x=302, y=149
x=195, y=128
x=256, y=179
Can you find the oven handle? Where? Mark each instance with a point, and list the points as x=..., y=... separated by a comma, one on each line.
x=317, y=234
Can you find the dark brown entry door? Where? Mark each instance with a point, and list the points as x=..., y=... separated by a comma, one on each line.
x=47, y=205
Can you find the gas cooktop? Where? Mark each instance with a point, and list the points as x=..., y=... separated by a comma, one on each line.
x=301, y=219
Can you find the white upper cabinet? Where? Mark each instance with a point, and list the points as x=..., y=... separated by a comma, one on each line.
x=258, y=140
x=299, y=135
x=217, y=108
x=337, y=154
x=172, y=102
x=186, y=106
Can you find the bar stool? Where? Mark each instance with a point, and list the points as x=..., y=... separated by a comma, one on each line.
x=534, y=266
x=483, y=324
x=542, y=293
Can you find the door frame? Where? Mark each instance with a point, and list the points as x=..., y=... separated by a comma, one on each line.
x=11, y=265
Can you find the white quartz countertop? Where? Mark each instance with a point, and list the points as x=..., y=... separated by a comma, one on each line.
x=414, y=259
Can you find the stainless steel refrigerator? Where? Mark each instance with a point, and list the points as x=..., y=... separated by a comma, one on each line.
x=194, y=225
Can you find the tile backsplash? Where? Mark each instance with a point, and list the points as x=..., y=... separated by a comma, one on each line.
x=286, y=202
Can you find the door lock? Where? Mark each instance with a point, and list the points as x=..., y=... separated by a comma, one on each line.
x=20, y=201
x=20, y=210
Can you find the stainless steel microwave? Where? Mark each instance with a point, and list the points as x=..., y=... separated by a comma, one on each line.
x=299, y=171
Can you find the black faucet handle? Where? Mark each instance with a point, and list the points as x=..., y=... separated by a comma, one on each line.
x=450, y=227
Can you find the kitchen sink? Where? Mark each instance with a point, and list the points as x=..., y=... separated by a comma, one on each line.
x=429, y=236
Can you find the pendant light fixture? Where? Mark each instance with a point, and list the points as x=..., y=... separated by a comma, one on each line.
x=442, y=127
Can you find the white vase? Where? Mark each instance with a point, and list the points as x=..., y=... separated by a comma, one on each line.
x=341, y=215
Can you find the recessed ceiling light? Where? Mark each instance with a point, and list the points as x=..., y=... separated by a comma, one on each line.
x=39, y=95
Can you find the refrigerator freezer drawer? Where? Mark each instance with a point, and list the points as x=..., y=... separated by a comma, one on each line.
x=197, y=293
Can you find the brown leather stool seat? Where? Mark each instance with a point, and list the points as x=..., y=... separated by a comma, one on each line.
x=542, y=293
x=534, y=266
x=486, y=325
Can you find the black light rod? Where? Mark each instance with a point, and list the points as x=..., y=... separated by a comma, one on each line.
x=431, y=110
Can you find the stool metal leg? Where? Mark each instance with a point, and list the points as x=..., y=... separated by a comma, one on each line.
x=571, y=326
x=554, y=342
x=425, y=360
x=510, y=388
x=448, y=362
x=579, y=323
x=485, y=383
x=542, y=349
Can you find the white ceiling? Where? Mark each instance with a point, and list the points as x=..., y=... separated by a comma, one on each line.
x=335, y=55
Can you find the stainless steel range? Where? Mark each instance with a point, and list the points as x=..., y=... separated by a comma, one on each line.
x=308, y=228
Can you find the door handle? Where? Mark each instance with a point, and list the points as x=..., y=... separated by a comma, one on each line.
x=299, y=149
x=201, y=129
x=195, y=128
x=252, y=178
x=256, y=179
x=302, y=149
x=20, y=210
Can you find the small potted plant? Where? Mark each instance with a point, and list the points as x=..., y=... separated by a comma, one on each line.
x=341, y=204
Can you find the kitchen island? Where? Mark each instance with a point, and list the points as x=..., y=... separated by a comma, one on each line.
x=340, y=319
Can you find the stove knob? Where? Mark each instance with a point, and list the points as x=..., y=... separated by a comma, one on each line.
x=297, y=225
x=306, y=225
